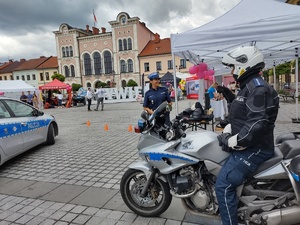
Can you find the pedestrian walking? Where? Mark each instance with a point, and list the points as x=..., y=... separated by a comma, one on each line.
x=100, y=95
x=89, y=96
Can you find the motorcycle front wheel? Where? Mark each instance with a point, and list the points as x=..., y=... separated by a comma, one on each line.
x=156, y=201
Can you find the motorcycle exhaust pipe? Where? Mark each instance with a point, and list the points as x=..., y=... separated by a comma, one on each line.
x=284, y=216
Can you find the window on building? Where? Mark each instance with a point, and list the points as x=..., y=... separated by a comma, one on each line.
x=71, y=51
x=67, y=51
x=120, y=45
x=158, y=65
x=97, y=63
x=5, y=77
x=41, y=77
x=28, y=77
x=18, y=78
x=0, y=77
x=23, y=77
x=63, y=52
x=87, y=64
x=67, y=71
x=107, y=62
x=123, y=66
x=11, y=77
x=146, y=67
x=130, y=65
x=33, y=77
x=182, y=63
x=129, y=44
x=170, y=64
x=72, y=70
x=47, y=76
x=125, y=44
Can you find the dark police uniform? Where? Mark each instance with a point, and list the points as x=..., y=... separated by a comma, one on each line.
x=252, y=116
x=153, y=98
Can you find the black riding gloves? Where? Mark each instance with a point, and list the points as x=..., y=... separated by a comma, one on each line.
x=223, y=141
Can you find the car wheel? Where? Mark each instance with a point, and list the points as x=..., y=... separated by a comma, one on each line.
x=50, y=135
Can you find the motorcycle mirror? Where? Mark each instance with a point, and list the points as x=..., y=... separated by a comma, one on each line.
x=145, y=115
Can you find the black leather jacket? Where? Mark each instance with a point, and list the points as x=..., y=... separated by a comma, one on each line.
x=253, y=113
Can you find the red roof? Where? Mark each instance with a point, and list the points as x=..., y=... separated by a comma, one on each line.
x=50, y=63
x=157, y=47
x=31, y=64
x=55, y=84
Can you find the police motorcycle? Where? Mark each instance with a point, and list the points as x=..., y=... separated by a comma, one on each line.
x=182, y=164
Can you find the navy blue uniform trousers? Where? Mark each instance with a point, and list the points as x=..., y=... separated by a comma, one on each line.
x=237, y=167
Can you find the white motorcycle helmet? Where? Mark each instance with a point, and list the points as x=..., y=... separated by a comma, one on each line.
x=243, y=59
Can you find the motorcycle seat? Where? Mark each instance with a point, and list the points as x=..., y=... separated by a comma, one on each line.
x=290, y=148
x=277, y=157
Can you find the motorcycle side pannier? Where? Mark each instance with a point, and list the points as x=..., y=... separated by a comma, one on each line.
x=295, y=168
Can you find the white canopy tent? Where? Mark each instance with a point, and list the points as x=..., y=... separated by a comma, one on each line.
x=14, y=88
x=273, y=26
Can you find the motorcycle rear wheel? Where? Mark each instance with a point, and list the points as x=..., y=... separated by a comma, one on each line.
x=158, y=197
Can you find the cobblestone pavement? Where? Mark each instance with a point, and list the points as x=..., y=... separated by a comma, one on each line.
x=76, y=181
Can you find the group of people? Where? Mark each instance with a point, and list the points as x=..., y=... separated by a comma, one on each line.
x=249, y=136
x=99, y=94
x=31, y=99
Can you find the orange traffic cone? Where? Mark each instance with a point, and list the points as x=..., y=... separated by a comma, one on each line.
x=130, y=128
x=106, y=127
x=88, y=123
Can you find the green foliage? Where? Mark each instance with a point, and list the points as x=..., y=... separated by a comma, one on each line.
x=58, y=77
x=131, y=83
x=100, y=84
x=283, y=69
x=75, y=87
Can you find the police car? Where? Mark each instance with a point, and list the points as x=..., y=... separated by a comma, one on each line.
x=23, y=127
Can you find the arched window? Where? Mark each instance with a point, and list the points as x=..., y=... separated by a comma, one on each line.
x=67, y=71
x=123, y=66
x=129, y=44
x=120, y=45
x=67, y=51
x=87, y=64
x=125, y=44
x=97, y=63
x=71, y=51
x=72, y=71
x=130, y=65
x=63, y=52
x=107, y=62
x=88, y=84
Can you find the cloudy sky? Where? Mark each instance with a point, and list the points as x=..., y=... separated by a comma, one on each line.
x=26, y=26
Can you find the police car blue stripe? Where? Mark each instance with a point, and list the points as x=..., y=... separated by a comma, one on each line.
x=13, y=129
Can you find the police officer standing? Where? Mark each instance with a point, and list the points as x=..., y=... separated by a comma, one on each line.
x=156, y=95
x=249, y=136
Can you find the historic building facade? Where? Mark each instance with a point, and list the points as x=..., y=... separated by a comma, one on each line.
x=89, y=56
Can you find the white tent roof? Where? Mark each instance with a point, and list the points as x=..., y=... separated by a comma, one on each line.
x=15, y=86
x=273, y=26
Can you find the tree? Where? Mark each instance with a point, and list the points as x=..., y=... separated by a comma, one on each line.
x=75, y=87
x=131, y=83
x=58, y=77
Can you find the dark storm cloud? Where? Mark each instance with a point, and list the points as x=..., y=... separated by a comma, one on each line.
x=24, y=23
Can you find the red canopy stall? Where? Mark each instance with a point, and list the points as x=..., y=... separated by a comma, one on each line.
x=54, y=85
x=57, y=85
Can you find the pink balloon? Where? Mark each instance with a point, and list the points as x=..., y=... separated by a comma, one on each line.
x=211, y=77
x=200, y=75
x=193, y=69
x=210, y=72
x=206, y=75
x=202, y=67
